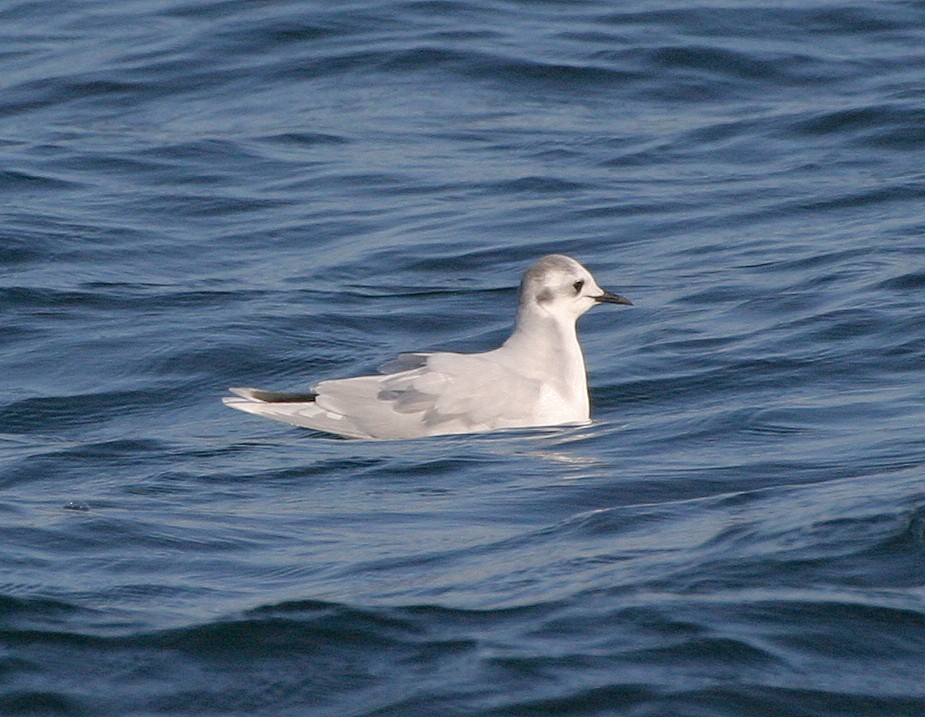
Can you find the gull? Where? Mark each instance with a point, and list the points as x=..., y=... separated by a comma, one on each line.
x=534, y=379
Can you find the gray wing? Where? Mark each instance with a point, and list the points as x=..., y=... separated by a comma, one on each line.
x=468, y=389
x=404, y=362
x=438, y=394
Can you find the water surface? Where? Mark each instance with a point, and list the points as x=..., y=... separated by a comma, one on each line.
x=205, y=194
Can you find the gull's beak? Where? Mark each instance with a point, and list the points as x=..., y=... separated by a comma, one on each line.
x=608, y=298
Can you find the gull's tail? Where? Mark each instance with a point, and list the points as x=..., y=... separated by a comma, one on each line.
x=298, y=409
x=280, y=406
x=256, y=394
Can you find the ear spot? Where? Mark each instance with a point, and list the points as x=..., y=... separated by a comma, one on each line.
x=544, y=296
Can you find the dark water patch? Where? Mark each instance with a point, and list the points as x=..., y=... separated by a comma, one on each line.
x=37, y=414
x=840, y=325
x=561, y=78
x=537, y=186
x=738, y=655
x=72, y=91
x=778, y=422
x=417, y=59
x=199, y=151
x=888, y=126
x=19, y=610
x=906, y=354
x=850, y=20
x=209, y=206
x=783, y=23
x=26, y=702
x=331, y=66
x=45, y=299
x=337, y=651
x=391, y=184
x=881, y=632
x=296, y=476
x=317, y=622
x=14, y=181
x=115, y=451
x=253, y=37
x=215, y=10
x=911, y=282
x=307, y=139
x=893, y=542
x=430, y=469
x=195, y=363
x=770, y=701
x=17, y=249
x=135, y=295
x=812, y=262
x=112, y=164
x=838, y=548
x=723, y=63
x=588, y=701
x=706, y=380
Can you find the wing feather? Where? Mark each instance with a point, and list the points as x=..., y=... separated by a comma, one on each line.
x=404, y=362
x=462, y=387
x=440, y=393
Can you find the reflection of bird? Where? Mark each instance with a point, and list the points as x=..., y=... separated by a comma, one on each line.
x=535, y=378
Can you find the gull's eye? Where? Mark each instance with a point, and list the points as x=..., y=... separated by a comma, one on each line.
x=577, y=286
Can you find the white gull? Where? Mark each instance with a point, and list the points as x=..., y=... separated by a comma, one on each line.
x=535, y=378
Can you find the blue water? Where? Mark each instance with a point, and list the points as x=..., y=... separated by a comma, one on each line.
x=198, y=195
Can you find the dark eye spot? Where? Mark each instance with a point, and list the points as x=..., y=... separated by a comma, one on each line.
x=577, y=286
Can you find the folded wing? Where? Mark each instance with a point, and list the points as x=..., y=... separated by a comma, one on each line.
x=430, y=394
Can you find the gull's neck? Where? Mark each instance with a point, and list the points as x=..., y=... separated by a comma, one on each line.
x=546, y=346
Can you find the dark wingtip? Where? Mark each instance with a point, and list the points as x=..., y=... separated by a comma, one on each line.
x=257, y=394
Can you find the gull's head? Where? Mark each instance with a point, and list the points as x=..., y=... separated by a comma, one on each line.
x=563, y=288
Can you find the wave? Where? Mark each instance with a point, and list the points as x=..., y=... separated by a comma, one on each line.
x=716, y=654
